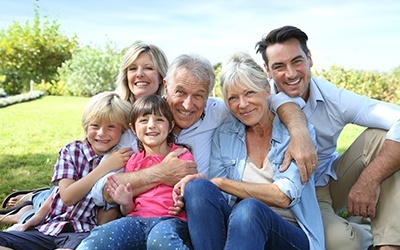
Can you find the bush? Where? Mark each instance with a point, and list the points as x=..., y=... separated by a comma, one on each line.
x=378, y=85
x=32, y=52
x=51, y=88
x=90, y=70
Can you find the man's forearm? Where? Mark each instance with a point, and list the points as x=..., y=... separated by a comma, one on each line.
x=293, y=117
x=386, y=163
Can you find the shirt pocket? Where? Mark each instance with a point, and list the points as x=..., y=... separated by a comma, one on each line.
x=229, y=163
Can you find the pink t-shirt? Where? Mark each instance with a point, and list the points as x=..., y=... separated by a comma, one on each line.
x=156, y=201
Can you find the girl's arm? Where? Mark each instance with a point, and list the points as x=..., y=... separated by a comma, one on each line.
x=122, y=194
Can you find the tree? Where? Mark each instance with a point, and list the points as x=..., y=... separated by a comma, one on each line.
x=32, y=53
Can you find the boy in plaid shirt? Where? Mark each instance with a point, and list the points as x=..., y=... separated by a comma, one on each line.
x=69, y=214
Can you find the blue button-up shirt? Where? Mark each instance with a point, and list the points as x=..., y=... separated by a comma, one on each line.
x=329, y=109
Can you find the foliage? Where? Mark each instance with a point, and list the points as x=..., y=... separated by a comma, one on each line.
x=6, y=101
x=51, y=88
x=217, y=88
x=90, y=70
x=378, y=85
x=32, y=53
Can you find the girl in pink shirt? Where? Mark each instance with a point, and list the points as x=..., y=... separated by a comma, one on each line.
x=148, y=223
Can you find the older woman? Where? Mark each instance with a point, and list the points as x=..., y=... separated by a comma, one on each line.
x=260, y=207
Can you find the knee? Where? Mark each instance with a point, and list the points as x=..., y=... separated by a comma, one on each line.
x=159, y=239
x=342, y=236
x=196, y=192
x=241, y=213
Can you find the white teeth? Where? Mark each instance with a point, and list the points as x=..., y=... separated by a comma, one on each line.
x=185, y=113
x=292, y=83
x=141, y=84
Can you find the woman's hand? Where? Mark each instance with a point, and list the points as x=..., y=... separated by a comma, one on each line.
x=178, y=192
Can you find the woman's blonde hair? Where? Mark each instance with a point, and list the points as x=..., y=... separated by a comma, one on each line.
x=106, y=107
x=160, y=62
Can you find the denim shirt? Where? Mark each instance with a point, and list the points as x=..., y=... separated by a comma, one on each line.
x=228, y=158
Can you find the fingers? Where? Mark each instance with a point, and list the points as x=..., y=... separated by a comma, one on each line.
x=364, y=211
x=178, y=152
x=174, y=210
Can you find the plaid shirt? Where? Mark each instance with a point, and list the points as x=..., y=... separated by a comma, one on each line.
x=75, y=160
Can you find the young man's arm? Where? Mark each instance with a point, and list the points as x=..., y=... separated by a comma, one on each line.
x=301, y=147
x=364, y=194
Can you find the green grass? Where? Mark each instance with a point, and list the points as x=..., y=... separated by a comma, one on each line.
x=33, y=132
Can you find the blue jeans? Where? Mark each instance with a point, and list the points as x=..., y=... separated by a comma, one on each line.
x=138, y=233
x=250, y=225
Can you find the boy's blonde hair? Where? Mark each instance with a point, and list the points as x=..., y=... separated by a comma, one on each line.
x=106, y=107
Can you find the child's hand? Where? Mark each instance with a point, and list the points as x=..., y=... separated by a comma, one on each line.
x=178, y=206
x=120, y=193
x=117, y=159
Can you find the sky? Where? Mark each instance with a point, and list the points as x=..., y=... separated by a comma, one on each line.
x=355, y=34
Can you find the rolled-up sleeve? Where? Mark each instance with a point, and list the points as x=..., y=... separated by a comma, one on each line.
x=275, y=101
x=289, y=183
x=394, y=132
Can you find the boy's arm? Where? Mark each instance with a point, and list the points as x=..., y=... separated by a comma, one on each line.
x=72, y=191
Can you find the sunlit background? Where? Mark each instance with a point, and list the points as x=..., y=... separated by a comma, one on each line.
x=362, y=34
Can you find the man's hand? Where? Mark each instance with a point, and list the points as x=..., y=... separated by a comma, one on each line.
x=364, y=195
x=172, y=169
x=363, y=198
x=301, y=149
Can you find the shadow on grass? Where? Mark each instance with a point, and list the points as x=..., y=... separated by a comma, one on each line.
x=25, y=172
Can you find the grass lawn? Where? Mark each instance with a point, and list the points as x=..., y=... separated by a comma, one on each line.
x=33, y=132
x=31, y=135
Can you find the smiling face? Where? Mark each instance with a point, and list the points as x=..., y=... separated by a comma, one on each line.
x=249, y=106
x=102, y=136
x=290, y=67
x=143, y=78
x=187, y=98
x=152, y=130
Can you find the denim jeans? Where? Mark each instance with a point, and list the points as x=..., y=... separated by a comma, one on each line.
x=250, y=225
x=138, y=233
